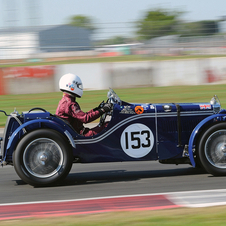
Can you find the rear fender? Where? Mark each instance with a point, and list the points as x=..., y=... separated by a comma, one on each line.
x=15, y=138
x=197, y=130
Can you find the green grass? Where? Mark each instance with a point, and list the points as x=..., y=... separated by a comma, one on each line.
x=126, y=58
x=175, y=217
x=91, y=99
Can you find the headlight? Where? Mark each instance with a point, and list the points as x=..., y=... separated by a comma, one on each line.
x=216, y=104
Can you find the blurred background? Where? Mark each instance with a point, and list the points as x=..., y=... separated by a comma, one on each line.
x=120, y=44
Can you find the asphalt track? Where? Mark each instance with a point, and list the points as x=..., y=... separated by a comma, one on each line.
x=104, y=187
x=93, y=188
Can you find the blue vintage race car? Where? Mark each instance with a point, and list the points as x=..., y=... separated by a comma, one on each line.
x=42, y=147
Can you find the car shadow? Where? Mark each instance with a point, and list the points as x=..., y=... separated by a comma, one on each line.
x=111, y=176
x=123, y=175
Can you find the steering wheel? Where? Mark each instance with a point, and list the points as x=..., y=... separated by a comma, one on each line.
x=36, y=109
x=103, y=117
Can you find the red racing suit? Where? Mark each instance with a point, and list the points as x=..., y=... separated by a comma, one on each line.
x=70, y=110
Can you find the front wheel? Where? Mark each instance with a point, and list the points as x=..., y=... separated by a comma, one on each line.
x=43, y=157
x=212, y=150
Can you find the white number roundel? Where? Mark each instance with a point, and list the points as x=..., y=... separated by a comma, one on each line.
x=137, y=140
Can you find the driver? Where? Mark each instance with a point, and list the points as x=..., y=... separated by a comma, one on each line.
x=69, y=109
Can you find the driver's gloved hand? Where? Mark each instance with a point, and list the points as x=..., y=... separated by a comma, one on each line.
x=100, y=106
x=106, y=108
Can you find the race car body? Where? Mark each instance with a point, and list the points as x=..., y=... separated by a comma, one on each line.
x=42, y=146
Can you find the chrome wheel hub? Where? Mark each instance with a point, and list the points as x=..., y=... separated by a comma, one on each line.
x=215, y=149
x=223, y=148
x=43, y=158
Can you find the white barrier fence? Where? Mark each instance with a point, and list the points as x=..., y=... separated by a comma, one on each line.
x=97, y=76
x=147, y=73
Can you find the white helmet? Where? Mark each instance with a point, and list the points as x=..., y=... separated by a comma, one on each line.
x=72, y=84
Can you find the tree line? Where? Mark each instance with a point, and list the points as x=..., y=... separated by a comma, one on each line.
x=156, y=23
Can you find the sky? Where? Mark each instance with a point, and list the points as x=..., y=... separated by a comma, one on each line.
x=107, y=14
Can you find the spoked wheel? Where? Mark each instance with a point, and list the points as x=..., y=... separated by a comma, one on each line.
x=212, y=150
x=43, y=157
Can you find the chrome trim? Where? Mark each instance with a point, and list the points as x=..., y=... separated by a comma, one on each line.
x=19, y=122
x=185, y=151
x=70, y=138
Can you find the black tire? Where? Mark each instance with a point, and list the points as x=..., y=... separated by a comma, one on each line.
x=212, y=150
x=43, y=158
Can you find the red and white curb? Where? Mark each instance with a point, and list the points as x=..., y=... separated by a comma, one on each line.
x=84, y=206
x=202, y=198
x=116, y=203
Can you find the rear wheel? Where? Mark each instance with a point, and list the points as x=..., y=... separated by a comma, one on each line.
x=43, y=157
x=212, y=150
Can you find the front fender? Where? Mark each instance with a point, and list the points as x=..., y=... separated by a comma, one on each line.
x=219, y=117
x=14, y=138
